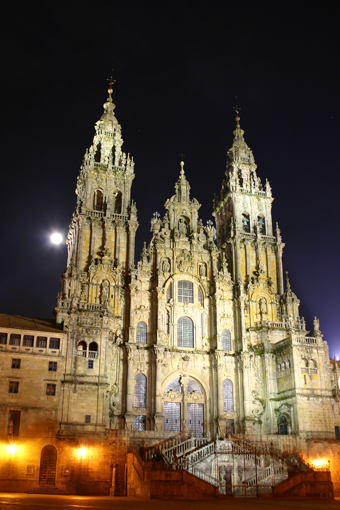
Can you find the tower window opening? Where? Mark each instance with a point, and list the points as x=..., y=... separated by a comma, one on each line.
x=261, y=225
x=93, y=350
x=226, y=340
x=118, y=203
x=228, y=397
x=185, y=291
x=141, y=333
x=185, y=332
x=240, y=178
x=140, y=391
x=98, y=200
x=97, y=156
x=246, y=223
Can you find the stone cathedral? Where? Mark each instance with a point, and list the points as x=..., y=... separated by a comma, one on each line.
x=201, y=338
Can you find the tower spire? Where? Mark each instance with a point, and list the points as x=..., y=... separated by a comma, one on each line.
x=110, y=89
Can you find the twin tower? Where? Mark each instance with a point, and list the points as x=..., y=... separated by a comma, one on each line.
x=199, y=337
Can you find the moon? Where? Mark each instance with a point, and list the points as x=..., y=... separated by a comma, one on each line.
x=56, y=238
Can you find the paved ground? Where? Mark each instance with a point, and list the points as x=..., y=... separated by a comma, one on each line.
x=41, y=502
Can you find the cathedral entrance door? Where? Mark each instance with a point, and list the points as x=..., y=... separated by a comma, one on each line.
x=195, y=420
x=48, y=465
x=172, y=416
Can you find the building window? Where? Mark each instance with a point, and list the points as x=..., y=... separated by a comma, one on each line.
x=98, y=200
x=16, y=363
x=140, y=391
x=87, y=418
x=97, y=155
x=52, y=366
x=141, y=333
x=200, y=297
x=226, y=340
x=14, y=423
x=15, y=340
x=90, y=364
x=337, y=432
x=139, y=423
x=118, y=203
x=305, y=379
x=54, y=343
x=246, y=222
x=174, y=385
x=185, y=291
x=13, y=387
x=228, y=398
x=185, y=332
x=28, y=341
x=283, y=426
x=41, y=342
x=261, y=225
x=93, y=350
x=50, y=389
x=3, y=338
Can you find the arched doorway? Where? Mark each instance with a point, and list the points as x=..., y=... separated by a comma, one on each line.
x=283, y=426
x=48, y=465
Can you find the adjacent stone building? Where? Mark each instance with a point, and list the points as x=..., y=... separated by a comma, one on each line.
x=202, y=337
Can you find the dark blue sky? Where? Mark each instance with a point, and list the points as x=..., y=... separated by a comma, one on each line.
x=178, y=68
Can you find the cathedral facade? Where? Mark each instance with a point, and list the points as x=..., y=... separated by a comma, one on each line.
x=201, y=338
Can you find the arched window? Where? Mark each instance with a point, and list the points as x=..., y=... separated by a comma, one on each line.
x=200, y=297
x=118, y=203
x=141, y=333
x=283, y=426
x=82, y=349
x=228, y=398
x=93, y=350
x=261, y=225
x=185, y=332
x=140, y=391
x=226, y=340
x=185, y=291
x=315, y=365
x=98, y=200
x=306, y=363
x=98, y=153
x=283, y=366
x=246, y=222
x=240, y=178
x=288, y=364
x=174, y=385
x=193, y=386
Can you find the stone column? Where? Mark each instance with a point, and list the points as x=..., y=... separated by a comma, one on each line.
x=159, y=417
x=280, y=285
x=130, y=383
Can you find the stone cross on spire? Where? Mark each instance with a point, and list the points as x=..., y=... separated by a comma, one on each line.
x=110, y=89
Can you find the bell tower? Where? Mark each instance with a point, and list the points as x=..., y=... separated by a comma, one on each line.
x=245, y=234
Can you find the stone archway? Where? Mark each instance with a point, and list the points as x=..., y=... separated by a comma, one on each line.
x=48, y=465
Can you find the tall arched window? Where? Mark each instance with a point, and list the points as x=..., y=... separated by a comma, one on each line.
x=185, y=332
x=141, y=333
x=97, y=156
x=140, y=391
x=261, y=225
x=246, y=222
x=98, y=200
x=185, y=291
x=228, y=398
x=283, y=426
x=226, y=340
x=118, y=203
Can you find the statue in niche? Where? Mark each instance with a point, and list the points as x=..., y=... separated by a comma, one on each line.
x=104, y=295
x=166, y=266
x=263, y=306
x=182, y=227
x=202, y=270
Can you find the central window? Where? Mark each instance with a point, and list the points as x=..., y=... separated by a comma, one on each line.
x=185, y=292
x=185, y=332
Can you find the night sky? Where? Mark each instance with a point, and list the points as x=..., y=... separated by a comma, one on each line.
x=178, y=68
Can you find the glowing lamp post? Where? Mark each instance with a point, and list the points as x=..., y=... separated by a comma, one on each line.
x=11, y=449
x=81, y=452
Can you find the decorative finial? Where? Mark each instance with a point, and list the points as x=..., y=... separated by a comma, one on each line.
x=182, y=163
x=110, y=89
x=237, y=111
x=288, y=282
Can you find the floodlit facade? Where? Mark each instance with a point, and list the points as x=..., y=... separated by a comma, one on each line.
x=201, y=338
